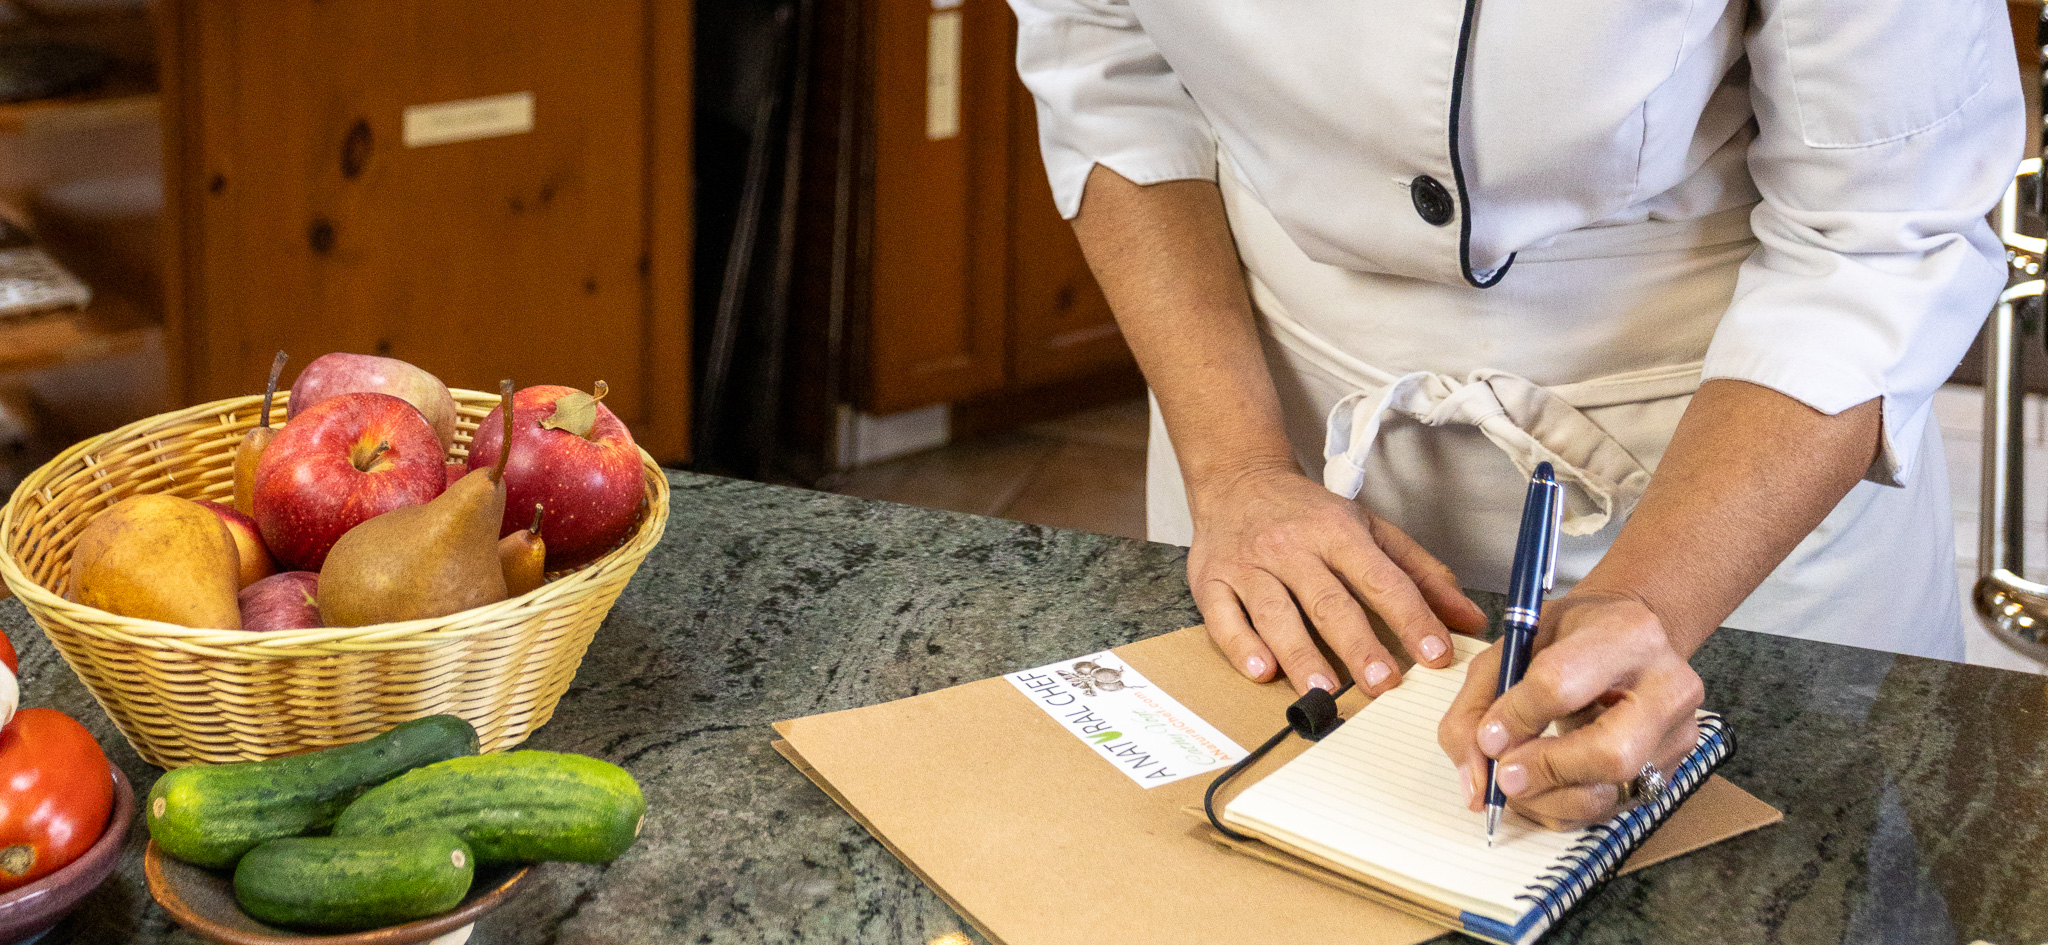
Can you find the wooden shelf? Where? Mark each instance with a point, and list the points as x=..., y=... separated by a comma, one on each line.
x=110, y=325
x=128, y=91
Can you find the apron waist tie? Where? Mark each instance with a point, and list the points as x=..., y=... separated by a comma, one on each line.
x=1527, y=421
x=1530, y=423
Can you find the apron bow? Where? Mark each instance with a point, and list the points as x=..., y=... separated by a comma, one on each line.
x=1530, y=423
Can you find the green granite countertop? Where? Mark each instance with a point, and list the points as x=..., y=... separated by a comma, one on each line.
x=1915, y=792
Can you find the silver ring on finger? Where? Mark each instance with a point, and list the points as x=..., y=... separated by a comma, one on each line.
x=1646, y=787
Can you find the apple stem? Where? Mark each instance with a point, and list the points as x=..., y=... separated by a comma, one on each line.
x=538, y=511
x=597, y=393
x=371, y=460
x=504, y=449
x=270, y=392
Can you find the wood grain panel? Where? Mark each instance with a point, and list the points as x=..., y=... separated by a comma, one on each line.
x=554, y=256
x=936, y=315
x=1060, y=323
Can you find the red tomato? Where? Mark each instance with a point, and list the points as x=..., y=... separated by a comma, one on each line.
x=56, y=792
x=7, y=654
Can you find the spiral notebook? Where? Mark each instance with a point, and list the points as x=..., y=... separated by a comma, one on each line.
x=1379, y=802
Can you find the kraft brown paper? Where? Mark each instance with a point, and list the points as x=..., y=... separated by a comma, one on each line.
x=1028, y=834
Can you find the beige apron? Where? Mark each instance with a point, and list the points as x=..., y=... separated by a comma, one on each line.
x=1431, y=403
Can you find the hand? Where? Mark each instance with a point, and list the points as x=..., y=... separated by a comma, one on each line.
x=1275, y=547
x=1609, y=675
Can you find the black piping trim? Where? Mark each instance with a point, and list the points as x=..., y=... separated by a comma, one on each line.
x=1458, y=169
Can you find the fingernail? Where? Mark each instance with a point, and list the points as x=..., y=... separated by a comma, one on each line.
x=1255, y=667
x=1514, y=779
x=1493, y=739
x=1465, y=781
x=1320, y=681
x=1377, y=673
x=1432, y=647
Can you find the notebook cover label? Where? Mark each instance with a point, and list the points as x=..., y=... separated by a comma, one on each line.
x=1126, y=720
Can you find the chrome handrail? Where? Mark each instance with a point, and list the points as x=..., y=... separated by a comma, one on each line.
x=2013, y=608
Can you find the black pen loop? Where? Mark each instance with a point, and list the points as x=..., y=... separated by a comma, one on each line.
x=1312, y=716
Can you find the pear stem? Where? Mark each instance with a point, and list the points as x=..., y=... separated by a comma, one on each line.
x=270, y=392
x=371, y=460
x=504, y=449
x=538, y=511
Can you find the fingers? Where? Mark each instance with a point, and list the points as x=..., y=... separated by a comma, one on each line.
x=1570, y=808
x=1458, y=732
x=1438, y=585
x=1279, y=624
x=1636, y=731
x=1570, y=674
x=1392, y=594
x=1275, y=578
x=1550, y=781
x=1341, y=622
x=1571, y=779
x=1224, y=617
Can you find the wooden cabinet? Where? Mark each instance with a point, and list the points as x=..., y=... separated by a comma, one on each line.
x=976, y=286
x=936, y=320
x=307, y=217
x=1060, y=323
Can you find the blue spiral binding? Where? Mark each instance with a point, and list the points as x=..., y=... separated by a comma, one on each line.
x=1595, y=857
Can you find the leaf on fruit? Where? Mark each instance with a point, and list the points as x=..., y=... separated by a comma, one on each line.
x=575, y=413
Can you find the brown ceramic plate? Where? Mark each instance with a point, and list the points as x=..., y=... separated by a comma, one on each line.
x=34, y=908
x=203, y=901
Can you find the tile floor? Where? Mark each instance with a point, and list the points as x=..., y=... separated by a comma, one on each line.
x=1087, y=472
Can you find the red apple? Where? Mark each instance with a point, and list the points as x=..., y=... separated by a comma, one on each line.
x=457, y=471
x=586, y=473
x=282, y=602
x=332, y=375
x=249, y=546
x=340, y=463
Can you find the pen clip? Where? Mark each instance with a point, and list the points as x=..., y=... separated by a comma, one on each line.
x=1554, y=535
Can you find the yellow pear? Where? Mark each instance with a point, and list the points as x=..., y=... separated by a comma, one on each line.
x=421, y=561
x=523, y=556
x=159, y=557
x=249, y=452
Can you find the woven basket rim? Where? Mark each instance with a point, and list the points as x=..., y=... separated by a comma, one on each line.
x=284, y=644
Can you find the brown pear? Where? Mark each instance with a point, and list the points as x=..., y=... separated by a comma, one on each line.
x=420, y=561
x=523, y=556
x=254, y=442
x=159, y=557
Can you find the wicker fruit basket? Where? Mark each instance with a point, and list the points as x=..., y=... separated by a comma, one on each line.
x=183, y=696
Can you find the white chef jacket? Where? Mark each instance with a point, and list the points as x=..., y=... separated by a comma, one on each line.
x=1435, y=139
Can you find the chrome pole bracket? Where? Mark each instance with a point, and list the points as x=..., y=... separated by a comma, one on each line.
x=2013, y=608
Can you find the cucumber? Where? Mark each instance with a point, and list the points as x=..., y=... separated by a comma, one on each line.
x=350, y=883
x=521, y=807
x=212, y=814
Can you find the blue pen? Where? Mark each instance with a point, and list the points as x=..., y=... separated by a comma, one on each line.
x=1535, y=570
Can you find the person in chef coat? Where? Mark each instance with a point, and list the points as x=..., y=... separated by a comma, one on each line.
x=1413, y=248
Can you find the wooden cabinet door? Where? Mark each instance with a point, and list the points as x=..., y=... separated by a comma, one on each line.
x=1060, y=324
x=936, y=306
x=553, y=255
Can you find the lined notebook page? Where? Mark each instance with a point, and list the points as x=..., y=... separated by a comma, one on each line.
x=1379, y=798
